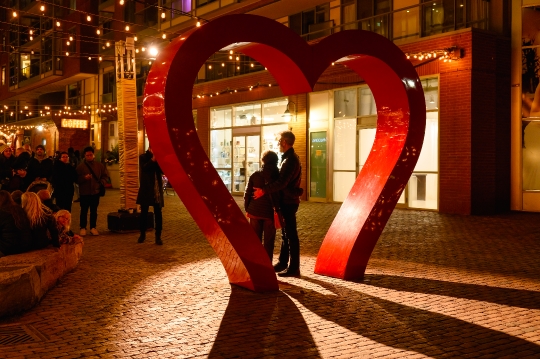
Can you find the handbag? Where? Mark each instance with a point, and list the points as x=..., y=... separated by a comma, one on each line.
x=278, y=219
x=101, y=185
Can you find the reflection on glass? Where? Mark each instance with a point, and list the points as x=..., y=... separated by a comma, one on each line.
x=406, y=24
x=366, y=102
x=247, y=115
x=226, y=178
x=220, y=148
x=345, y=103
x=343, y=182
x=221, y=117
x=531, y=155
x=239, y=169
x=345, y=144
x=270, y=137
x=317, y=165
x=273, y=111
x=423, y=189
x=431, y=93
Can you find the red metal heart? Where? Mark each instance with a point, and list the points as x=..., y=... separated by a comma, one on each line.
x=296, y=66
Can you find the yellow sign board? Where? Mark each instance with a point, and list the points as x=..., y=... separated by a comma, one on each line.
x=68, y=123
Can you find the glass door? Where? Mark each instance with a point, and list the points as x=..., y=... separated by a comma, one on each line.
x=246, y=155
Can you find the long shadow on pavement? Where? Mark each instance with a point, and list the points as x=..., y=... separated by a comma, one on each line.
x=259, y=325
x=506, y=296
x=407, y=328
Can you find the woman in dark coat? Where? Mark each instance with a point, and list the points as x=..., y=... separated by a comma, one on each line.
x=7, y=162
x=261, y=211
x=15, y=235
x=64, y=176
x=150, y=193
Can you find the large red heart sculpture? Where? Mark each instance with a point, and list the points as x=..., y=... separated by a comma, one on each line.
x=296, y=66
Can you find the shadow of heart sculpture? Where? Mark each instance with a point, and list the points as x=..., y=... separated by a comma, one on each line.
x=296, y=66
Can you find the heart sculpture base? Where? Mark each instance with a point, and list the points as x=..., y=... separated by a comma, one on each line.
x=296, y=66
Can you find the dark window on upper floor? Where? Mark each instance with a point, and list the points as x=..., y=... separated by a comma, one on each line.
x=200, y=3
x=314, y=22
x=74, y=94
x=109, y=87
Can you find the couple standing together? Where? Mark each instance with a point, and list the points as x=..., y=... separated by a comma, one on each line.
x=272, y=188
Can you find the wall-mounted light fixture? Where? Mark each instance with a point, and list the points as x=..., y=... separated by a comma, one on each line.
x=288, y=115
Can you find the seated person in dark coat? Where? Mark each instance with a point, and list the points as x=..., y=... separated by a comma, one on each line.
x=42, y=222
x=15, y=236
x=20, y=180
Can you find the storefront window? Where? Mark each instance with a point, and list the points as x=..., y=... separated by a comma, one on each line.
x=247, y=115
x=273, y=112
x=531, y=98
x=317, y=165
x=354, y=138
x=531, y=155
x=237, y=139
x=345, y=103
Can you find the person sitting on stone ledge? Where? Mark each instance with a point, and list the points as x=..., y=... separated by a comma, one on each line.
x=15, y=235
x=45, y=197
x=20, y=180
x=16, y=196
x=63, y=223
x=42, y=222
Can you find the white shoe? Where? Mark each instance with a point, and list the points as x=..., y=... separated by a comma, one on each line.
x=94, y=232
x=82, y=233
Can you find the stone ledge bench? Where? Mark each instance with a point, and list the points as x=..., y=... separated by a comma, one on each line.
x=26, y=277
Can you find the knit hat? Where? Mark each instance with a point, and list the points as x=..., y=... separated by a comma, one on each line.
x=3, y=147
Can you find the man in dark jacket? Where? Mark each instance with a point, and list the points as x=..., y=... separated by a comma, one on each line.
x=40, y=168
x=89, y=189
x=150, y=193
x=288, y=184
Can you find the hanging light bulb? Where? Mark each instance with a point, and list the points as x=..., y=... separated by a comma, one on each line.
x=121, y=2
x=108, y=44
x=143, y=49
x=88, y=18
x=89, y=58
x=71, y=38
x=100, y=58
x=14, y=13
x=31, y=38
x=42, y=8
x=135, y=38
x=31, y=32
x=136, y=51
x=67, y=53
x=98, y=32
x=198, y=24
x=58, y=24
x=164, y=36
x=163, y=15
x=127, y=27
x=67, y=43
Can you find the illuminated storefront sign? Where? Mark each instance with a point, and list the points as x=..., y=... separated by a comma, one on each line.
x=68, y=123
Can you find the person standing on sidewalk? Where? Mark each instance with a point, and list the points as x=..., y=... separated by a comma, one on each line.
x=150, y=193
x=289, y=185
x=261, y=212
x=89, y=189
x=64, y=176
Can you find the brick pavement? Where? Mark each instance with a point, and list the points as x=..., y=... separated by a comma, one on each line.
x=437, y=286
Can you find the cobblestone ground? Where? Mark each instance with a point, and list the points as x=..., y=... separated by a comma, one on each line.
x=437, y=286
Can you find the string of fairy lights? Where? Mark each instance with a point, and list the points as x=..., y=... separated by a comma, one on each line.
x=147, y=50
x=59, y=24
